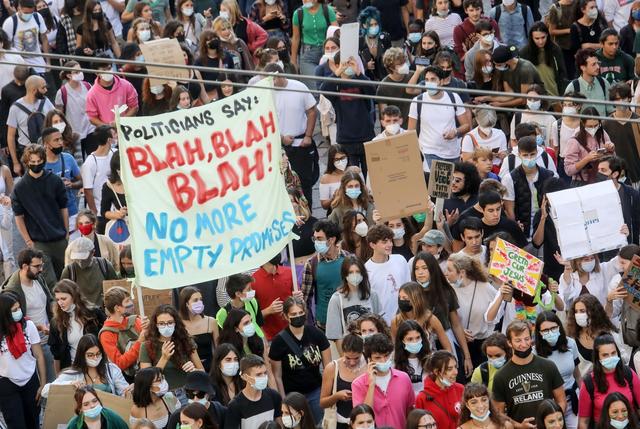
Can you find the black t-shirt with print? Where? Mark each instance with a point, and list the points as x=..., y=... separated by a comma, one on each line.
x=244, y=413
x=300, y=375
x=523, y=387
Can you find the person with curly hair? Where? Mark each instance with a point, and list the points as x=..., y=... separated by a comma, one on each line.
x=478, y=409
x=464, y=188
x=169, y=346
x=586, y=320
x=368, y=325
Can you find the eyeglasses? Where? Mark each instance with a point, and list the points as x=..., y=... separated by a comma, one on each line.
x=550, y=330
x=165, y=324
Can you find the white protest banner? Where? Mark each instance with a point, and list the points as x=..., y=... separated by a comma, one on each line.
x=349, y=39
x=205, y=194
x=587, y=219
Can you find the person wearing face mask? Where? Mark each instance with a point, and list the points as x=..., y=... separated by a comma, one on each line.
x=385, y=389
x=224, y=375
x=485, y=135
x=91, y=367
x=498, y=352
x=512, y=17
x=88, y=270
x=71, y=99
x=621, y=130
x=123, y=331
x=353, y=194
x=91, y=414
x=373, y=43
x=442, y=394
x=443, y=21
x=256, y=402
x=152, y=399
x=586, y=30
x=516, y=73
x=239, y=289
x=296, y=354
x=551, y=342
x=108, y=91
x=354, y=235
x=330, y=180
x=272, y=15
x=610, y=376
x=86, y=224
x=525, y=380
x=479, y=411
x=487, y=41
x=96, y=35
x=396, y=64
x=73, y=318
x=64, y=166
x=412, y=349
x=535, y=115
x=565, y=128
x=520, y=201
x=155, y=99
x=352, y=299
x=296, y=413
x=338, y=376
x=193, y=22
x=200, y=391
x=544, y=155
x=203, y=329
x=618, y=413
x=390, y=122
x=403, y=237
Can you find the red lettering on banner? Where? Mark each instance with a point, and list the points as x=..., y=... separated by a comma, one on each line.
x=194, y=152
x=268, y=126
x=229, y=178
x=181, y=192
x=138, y=161
x=258, y=167
x=174, y=155
x=204, y=194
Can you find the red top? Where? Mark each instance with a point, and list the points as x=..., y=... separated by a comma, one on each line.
x=443, y=404
x=268, y=287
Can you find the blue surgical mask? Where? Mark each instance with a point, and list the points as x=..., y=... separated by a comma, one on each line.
x=413, y=347
x=445, y=382
x=94, y=412
x=307, y=5
x=248, y=330
x=140, y=58
x=498, y=363
x=204, y=401
x=458, y=283
x=385, y=366
x=619, y=424
x=353, y=193
x=431, y=88
x=414, y=37
x=26, y=17
x=261, y=382
x=636, y=14
x=540, y=140
x=321, y=246
x=425, y=285
x=373, y=31
x=551, y=337
x=17, y=315
x=528, y=163
x=481, y=418
x=610, y=363
x=349, y=71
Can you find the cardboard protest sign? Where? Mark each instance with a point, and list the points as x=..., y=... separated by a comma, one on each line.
x=587, y=219
x=151, y=298
x=511, y=263
x=631, y=282
x=61, y=405
x=349, y=39
x=205, y=194
x=395, y=172
x=164, y=51
x=440, y=179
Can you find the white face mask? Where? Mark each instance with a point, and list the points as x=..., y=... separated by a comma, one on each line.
x=398, y=233
x=289, y=422
x=392, y=129
x=224, y=14
x=487, y=69
x=107, y=77
x=187, y=11
x=488, y=38
x=144, y=35
x=230, y=369
x=508, y=3
x=403, y=69
x=568, y=110
x=156, y=90
x=582, y=319
x=361, y=229
x=533, y=104
x=270, y=2
x=592, y=131
x=77, y=77
x=60, y=126
x=93, y=363
x=341, y=164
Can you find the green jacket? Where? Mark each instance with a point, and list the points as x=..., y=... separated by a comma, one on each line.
x=250, y=307
x=110, y=420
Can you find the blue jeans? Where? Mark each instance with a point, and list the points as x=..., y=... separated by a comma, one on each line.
x=48, y=360
x=309, y=59
x=313, y=398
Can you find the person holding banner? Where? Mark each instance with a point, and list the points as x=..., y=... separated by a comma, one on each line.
x=91, y=414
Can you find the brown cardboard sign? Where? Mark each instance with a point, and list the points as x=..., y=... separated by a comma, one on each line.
x=164, y=51
x=396, y=175
x=61, y=405
x=440, y=179
x=151, y=298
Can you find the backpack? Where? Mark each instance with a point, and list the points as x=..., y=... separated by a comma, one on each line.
x=484, y=373
x=126, y=339
x=300, y=15
x=511, y=159
x=588, y=384
x=453, y=103
x=523, y=10
x=14, y=19
x=64, y=94
x=630, y=324
x=102, y=264
x=576, y=85
x=35, y=121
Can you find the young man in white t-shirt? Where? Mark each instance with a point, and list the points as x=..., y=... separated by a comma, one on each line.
x=441, y=124
x=387, y=272
x=27, y=32
x=96, y=168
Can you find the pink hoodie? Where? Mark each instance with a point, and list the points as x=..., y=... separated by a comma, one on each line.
x=101, y=101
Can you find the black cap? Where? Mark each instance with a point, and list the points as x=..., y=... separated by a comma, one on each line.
x=199, y=381
x=502, y=54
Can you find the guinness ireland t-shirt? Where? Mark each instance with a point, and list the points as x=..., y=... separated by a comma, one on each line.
x=523, y=387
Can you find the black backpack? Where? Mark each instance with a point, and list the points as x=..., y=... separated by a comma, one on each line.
x=14, y=19
x=576, y=85
x=484, y=373
x=35, y=121
x=453, y=104
x=589, y=386
x=511, y=160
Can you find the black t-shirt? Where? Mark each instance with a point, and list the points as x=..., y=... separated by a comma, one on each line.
x=403, y=250
x=523, y=387
x=300, y=375
x=441, y=309
x=244, y=413
x=391, y=14
x=551, y=266
x=507, y=225
x=470, y=212
x=226, y=63
x=453, y=204
x=100, y=39
x=216, y=410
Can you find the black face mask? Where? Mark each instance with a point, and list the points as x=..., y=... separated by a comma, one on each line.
x=97, y=16
x=39, y=95
x=276, y=260
x=36, y=168
x=46, y=13
x=56, y=150
x=446, y=74
x=601, y=177
x=429, y=52
x=180, y=38
x=298, y=321
x=284, y=56
x=405, y=305
x=522, y=355
x=213, y=44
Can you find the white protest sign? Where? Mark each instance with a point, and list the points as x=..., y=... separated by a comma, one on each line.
x=587, y=219
x=349, y=40
x=205, y=194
